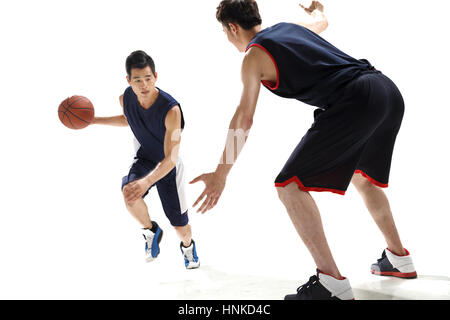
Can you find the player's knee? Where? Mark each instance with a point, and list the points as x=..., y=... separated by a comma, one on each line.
x=129, y=204
x=286, y=193
x=281, y=193
x=362, y=184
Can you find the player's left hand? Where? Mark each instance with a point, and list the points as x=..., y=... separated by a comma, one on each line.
x=214, y=185
x=136, y=189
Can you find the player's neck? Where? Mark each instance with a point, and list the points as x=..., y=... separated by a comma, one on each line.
x=147, y=101
x=248, y=35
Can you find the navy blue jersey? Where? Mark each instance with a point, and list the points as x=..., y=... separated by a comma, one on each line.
x=309, y=68
x=148, y=125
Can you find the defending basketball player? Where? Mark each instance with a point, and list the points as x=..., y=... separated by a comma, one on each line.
x=156, y=120
x=359, y=114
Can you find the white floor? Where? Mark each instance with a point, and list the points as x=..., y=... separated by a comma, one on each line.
x=101, y=256
x=160, y=281
x=98, y=253
x=210, y=283
x=425, y=287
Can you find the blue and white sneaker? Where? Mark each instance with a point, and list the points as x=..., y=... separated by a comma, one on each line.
x=152, y=240
x=191, y=260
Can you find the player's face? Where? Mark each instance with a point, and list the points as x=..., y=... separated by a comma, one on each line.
x=142, y=81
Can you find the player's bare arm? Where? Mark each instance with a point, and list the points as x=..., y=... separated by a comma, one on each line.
x=134, y=190
x=317, y=21
x=117, y=121
x=237, y=134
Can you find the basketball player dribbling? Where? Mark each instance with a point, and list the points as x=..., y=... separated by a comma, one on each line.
x=156, y=120
x=359, y=114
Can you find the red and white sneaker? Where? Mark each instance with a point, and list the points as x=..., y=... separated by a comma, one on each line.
x=393, y=265
x=323, y=287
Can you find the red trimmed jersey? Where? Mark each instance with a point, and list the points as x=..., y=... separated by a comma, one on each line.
x=309, y=68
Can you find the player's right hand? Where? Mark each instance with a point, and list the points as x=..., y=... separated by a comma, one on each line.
x=315, y=5
x=214, y=185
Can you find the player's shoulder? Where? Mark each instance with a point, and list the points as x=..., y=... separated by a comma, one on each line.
x=273, y=33
x=167, y=98
x=264, y=38
x=254, y=56
x=270, y=31
x=127, y=93
x=282, y=26
x=268, y=39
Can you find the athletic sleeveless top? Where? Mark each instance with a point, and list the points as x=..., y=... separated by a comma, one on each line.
x=309, y=68
x=148, y=125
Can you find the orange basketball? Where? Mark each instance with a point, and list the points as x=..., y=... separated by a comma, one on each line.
x=76, y=112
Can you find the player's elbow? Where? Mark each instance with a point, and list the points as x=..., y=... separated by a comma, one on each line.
x=171, y=159
x=320, y=26
x=248, y=123
x=244, y=120
x=324, y=24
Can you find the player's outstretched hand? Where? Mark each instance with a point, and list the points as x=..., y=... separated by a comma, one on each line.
x=214, y=185
x=135, y=190
x=315, y=5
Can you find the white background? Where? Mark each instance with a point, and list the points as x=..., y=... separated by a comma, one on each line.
x=64, y=230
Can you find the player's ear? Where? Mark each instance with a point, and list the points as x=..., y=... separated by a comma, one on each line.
x=156, y=76
x=233, y=28
x=128, y=80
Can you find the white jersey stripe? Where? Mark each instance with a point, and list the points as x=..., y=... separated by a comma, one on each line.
x=181, y=181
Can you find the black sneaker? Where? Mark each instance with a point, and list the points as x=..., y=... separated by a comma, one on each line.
x=323, y=287
x=395, y=266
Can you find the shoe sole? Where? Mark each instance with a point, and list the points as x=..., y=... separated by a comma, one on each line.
x=291, y=297
x=410, y=275
x=196, y=267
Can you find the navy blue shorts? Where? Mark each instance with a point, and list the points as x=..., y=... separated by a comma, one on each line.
x=170, y=189
x=356, y=134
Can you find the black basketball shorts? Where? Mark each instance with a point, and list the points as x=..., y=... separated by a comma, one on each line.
x=356, y=134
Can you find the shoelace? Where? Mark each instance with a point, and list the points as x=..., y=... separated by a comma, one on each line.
x=189, y=254
x=306, y=288
x=382, y=257
x=149, y=239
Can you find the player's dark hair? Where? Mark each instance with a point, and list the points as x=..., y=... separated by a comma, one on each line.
x=139, y=60
x=243, y=12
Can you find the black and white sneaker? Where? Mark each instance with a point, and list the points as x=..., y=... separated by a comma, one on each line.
x=323, y=287
x=393, y=265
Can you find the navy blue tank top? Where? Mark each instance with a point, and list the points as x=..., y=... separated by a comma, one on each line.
x=148, y=125
x=309, y=68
